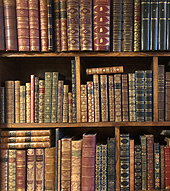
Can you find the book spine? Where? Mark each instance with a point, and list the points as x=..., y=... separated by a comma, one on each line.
x=70, y=117
x=22, y=104
x=44, y=25
x=117, y=25
x=86, y=25
x=96, y=98
x=39, y=165
x=50, y=168
x=63, y=25
x=162, y=24
x=88, y=162
x=168, y=26
x=104, y=98
x=104, y=70
x=9, y=99
x=74, y=106
x=36, y=100
x=98, y=168
x=48, y=97
x=132, y=96
x=145, y=25
x=104, y=167
x=10, y=25
x=28, y=102
x=111, y=98
x=125, y=105
x=101, y=25
x=83, y=103
x=73, y=25
x=58, y=180
x=11, y=170
x=60, y=101
x=127, y=26
x=157, y=165
x=2, y=30
x=132, y=164
x=23, y=25
x=65, y=103
x=54, y=97
x=162, y=167
x=32, y=98
x=30, y=169
x=2, y=104
x=167, y=167
x=161, y=92
x=167, y=96
x=154, y=25
x=33, y=7
x=20, y=169
x=17, y=101
x=137, y=25
x=148, y=95
x=139, y=89
x=41, y=100
x=4, y=169
x=118, y=101
x=90, y=101
x=76, y=151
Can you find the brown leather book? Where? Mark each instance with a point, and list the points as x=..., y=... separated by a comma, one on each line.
x=23, y=25
x=125, y=105
x=88, y=162
x=111, y=98
x=90, y=101
x=59, y=166
x=96, y=98
x=101, y=25
x=21, y=170
x=10, y=25
x=4, y=169
x=167, y=96
x=17, y=101
x=2, y=40
x=34, y=28
x=162, y=166
x=30, y=169
x=50, y=169
x=83, y=93
x=132, y=165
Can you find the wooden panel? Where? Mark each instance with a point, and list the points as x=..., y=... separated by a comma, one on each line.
x=117, y=157
x=155, y=89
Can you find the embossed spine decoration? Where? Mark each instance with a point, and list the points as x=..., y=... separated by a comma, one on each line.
x=111, y=98
x=30, y=169
x=96, y=98
x=74, y=106
x=4, y=169
x=11, y=170
x=17, y=101
x=90, y=101
x=65, y=103
x=41, y=100
x=28, y=102
x=83, y=103
x=22, y=105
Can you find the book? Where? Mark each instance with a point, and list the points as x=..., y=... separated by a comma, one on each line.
x=104, y=167
x=32, y=98
x=168, y=26
x=157, y=165
x=90, y=101
x=22, y=104
x=2, y=104
x=83, y=98
x=132, y=164
x=4, y=169
x=31, y=169
x=41, y=100
x=167, y=164
x=60, y=101
x=22, y=133
x=111, y=98
x=162, y=167
x=96, y=98
x=11, y=169
x=36, y=100
x=132, y=97
x=17, y=101
x=70, y=117
x=28, y=102
x=167, y=96
x=125, y=105
x=2, y=39
x=65, y=103
x=98, y=168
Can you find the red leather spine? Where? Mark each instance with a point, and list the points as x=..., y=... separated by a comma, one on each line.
x=2, y=44
x=167, y=167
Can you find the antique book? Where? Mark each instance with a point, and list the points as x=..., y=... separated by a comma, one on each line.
x=90, y=101
x=167, y=165
x=4, y=169
x=43, y=25
x=2, y=104
x=145, y=24
x=65, y=103
x=36, y=100
x=96, y=98
x=167, y=96
x=20, y=169
x=104, y=98
x=49, y=168
x=76, y=150
x=154, y=25
x=88, y=162
x=125, y=101
x=98, y=158
x=32, y=98
x=11, y=169
x=22, y=133
x=111, y=98
x=22, y=105
x=85, y=21
x=39, y=166
x=58, y=170
x=161, y=92
x=132, y=164
x=157, y=165
x=2, y=29
x=10, y=24
x=22, y=17
x=83, y=94
x=60, y=101
x=31, y=169
x=104, y=167
x=117, y=25
x=34, y=29
x=162, y=167
x=168, y=26
x=104, y=70
x=41, y=100
x=28, y=102
x=17, y=101
x=70, y=117
x=137, y=25
x=73, y=25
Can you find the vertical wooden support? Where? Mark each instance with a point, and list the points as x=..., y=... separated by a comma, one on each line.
x=117, y=157
x=155, y=89
x=78, y=83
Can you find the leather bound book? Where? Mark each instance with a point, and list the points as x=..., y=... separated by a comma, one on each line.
x=73, y=25
x=60, y=101
x=30, y=169
x=83, y=103
x=162, y=25
x=125, y=105
x=17, y=101
x=161, y=92
x=101, y=25
x=22, y=105
x=65, y=103
x=145, y=25
x=2, y=39
x=96, y=98
x=41, y=100
x=44, y=25
x=154, y=25
x=167, y=167
x=36, y=100
x=50, y=169
x=39, y=165
x=32, y=98
x=86, y=25
x=162, y=167
x=20, y=169
x=98, y=168
x=11, y=169
x=111, y=98
x=104, y=167
x=2, y=104
x=4, y=169
x=58, y=172
x=70, y=117
x=157, y=165
x=132, y=164
x=168, y=26
x=137, y=24
x=33, y=8
x=10, y=25
x=167, y=96
x=23, y=25
x=90, y=101
x=88, y=162
x=28, y=102
x=117, y=25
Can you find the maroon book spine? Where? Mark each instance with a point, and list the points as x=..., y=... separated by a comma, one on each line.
x=167, y=167
x=32, y=98
x=2, y=43
x=4, y=169
x=88, y=162
x=30, y=169
x=101, y=25
x=10, y=25
x=20, y=169
x=33, y=7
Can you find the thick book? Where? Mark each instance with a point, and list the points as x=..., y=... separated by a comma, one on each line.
x=41, y=100
x=125, y=101
x=28, y=102
x=98, y=168
x=157, y=165
x=30, y=169
x=90, y=101
x=2, y=29
x=162, y=167
x=60, y=101
x=22, y=105
x=36, y=100
x=17, y=101
x=101, y=25
x=4, y=169
x=32, y=98
x=65, y=103
x=167, y=166
x=103, y=166
x=96, y=98
x=132, y=164
x=2, y=104
x=167, y=96
x=83, y=94
x=88, y=162
x=111, y=105
x=11, y=169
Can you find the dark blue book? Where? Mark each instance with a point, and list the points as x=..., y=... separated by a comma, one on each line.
x=157, y=165
x=168, y=26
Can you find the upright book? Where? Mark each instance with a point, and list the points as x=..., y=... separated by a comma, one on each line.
x=2, y=31
x=30, y=169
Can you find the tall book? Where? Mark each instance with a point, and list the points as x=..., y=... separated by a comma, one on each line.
x=41, y=100
x=2, y=39
x=98, y=168
x=23, y=25
x=2, y=104
x=36, y=100
x=17, y=101
x=90, y=101
x=111, y=98
x=86, y=25
x=88, y=162
x=132, y=164
x=32, y=98
x=167, y=96
x=22, y=104
x=31, y=169
x=167, y=166
x=145, y=25
x=125, y=105
x=4, y=169
x=157, y=165
x=104, y=167
x=58, y=170
x=65, y=103
x=70, y=117
x=11, y=169
x=101, y=25
x=60, y=101
x=168, y=26
x=83, y=103
x=118, y=94
x=162, y=167
x=96, y=98
x=10, y=25
x=28, y=102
